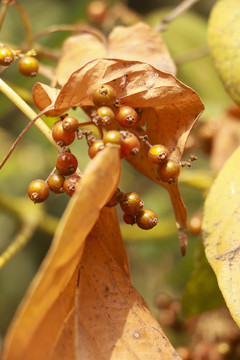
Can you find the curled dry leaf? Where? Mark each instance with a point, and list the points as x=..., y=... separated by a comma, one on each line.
x=221, y=232
x=169, y=110
x=138, y=42
x=82, y=304
x=48, y=303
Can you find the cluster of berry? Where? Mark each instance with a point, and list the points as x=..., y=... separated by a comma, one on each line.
x=105, y=111
x=28, y=65
x=133, y=212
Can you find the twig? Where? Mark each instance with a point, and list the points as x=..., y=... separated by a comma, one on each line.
x=47, y=71
x=3, y=12
x=20, y=103
x=22, y=209
x=26, y=23
x=79, y=28
x=19, y=242
x=192, y=55
x=59, y=27
x=43, y=51
x=183, y=6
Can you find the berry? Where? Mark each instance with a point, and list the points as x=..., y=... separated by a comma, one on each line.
x=129, y=219
x=158, y=153
x=69, y=185
x=62, y=137
x=38, y=191
x=95, y=147
x=70, y=124
x=169, y=171
x=28, y=66
x=66, y=163
x=104, y=96
x=115, y=198
x=130, y=144
x=131, y=203
x=146, y=219
x=97, y=11
x=55, y=183
x=126, y=116
x=6, y=56
x=106, y=114
x=112, y=137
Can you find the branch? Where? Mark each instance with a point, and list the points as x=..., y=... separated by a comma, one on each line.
x=192, y=55
x=26, y=23
x=20, y=103
x=18, y=243
x=3, y=12
x=182, y=7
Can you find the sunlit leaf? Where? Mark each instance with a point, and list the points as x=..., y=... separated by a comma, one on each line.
x=78, y=50
x=223, y=39
x=46, y=306
x=138, y=42
x=221, y=227
x=82, y=305
x=110, y=318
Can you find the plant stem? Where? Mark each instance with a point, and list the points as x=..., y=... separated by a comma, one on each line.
x=26, y=23
x=178, y=10
x=192, y=55
x=20, y=103
x=19, y=242
x=3, y=12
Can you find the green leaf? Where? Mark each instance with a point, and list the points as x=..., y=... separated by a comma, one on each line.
x=202, y=285
x=221, y=229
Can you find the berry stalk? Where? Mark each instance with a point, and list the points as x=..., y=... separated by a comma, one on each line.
x=25, y=108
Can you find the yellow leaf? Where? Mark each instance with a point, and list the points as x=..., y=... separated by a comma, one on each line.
x=223, y=39
x=221, y=229
x=82, y=305
x=50, y=297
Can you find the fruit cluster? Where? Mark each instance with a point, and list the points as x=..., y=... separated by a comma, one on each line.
x=106, y=110
x=133, y=212
x=28, y=65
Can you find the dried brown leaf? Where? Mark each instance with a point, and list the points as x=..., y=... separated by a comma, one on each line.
x=226, y=138
x=44, y=96
x=48, y=303
x=142, y=43
x=78, y=50
x=82, y=304
x=169, y=110
x=138, y=42
x=110, y=318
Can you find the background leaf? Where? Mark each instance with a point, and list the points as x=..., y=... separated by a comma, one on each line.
x=223, y=39
x=124, y=42
x=202, y=285
x=221, y=227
